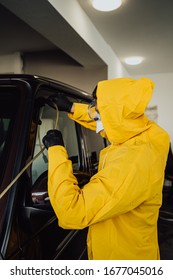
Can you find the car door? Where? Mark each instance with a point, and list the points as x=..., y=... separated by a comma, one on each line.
x=34, y=232
x=15, y=108
x=40, y=235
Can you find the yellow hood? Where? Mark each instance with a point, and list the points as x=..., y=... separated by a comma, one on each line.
x=122, y=103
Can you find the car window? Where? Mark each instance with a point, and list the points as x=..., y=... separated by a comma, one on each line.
x=8, y=108
x=87, y=143
x=94, y=144
x=4, y=128
x=68, y=130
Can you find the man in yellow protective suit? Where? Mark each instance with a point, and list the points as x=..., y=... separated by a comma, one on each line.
x=121, y=202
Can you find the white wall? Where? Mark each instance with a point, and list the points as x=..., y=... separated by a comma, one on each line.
x=163, y=98
x=62, y=68
x=11, y=63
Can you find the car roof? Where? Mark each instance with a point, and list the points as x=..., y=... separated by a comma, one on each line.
x=35, y=81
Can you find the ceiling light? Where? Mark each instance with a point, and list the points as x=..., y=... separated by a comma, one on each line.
x=133, y=60
x=106, y=5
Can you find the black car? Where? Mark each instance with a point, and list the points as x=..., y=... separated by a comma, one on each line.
x=28, y=225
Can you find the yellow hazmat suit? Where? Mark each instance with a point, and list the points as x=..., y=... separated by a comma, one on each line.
x=121, y=202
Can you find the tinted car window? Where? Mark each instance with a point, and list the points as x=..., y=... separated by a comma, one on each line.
x=4, y=128
x=8, y=111
x=94, y=144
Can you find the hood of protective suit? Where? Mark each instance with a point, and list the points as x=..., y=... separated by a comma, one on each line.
x=122, y=103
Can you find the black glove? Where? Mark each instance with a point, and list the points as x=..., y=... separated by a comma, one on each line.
x=53, y=138
x=63, y=103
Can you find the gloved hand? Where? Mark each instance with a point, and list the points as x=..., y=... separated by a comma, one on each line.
x=53, y=138
x=63, y=103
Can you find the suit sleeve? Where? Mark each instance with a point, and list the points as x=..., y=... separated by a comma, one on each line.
x=80, y=115
x=112, y=191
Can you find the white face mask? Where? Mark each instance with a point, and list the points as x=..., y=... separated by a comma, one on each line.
x=99, y=125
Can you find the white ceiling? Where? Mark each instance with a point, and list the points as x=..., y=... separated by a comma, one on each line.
x=35, y=25
x=138, y=27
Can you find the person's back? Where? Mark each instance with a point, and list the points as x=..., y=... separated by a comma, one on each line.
x=128, y=230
